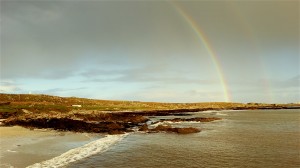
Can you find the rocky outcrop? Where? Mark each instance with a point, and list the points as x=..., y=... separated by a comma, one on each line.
x=97, y=122
x=4, y=115
x=67, y=124
x=7, y=114
x=144, y=128
x=90, y=122
x=112, y=123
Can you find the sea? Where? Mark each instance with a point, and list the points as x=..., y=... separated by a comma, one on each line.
x=242, y=139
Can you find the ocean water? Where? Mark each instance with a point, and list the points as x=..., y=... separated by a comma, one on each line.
x=258, y=138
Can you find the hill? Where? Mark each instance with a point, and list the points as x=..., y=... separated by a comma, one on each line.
x=39, y=100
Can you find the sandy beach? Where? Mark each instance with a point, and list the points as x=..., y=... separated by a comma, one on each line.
x=21, y=147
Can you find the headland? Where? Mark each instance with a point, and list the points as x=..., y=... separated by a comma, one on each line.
x=106, y=116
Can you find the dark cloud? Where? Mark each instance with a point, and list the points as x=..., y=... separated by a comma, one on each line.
x=39, y=36
x=149, y=43
x=155, y=80
x=143, y=75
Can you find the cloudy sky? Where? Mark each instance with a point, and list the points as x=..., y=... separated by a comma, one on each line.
x=170, y=51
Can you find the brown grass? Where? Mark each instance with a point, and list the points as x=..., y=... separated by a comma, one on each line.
x=106, y=105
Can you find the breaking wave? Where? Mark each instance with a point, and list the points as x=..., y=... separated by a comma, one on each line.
x=171, y=122
x=82, y=152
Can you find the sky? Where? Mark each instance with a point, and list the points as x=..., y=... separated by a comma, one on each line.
x=161, y=51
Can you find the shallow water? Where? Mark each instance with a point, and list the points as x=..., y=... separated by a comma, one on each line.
x=260, y=138
x=21, y=147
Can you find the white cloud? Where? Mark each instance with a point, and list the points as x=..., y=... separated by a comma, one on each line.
x=8, y=86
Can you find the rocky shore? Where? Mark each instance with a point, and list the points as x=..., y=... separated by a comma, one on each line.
x=99, y=116
x=96, y=122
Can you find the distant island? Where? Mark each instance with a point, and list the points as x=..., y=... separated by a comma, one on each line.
x=106, y=116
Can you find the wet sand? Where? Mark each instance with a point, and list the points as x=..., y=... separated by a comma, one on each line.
x=21, y=147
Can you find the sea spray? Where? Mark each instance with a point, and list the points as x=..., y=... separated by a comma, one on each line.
x=172, y=123
x=92, y=148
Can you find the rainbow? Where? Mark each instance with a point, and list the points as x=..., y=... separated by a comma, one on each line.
x=252, y=39
x=204, y=40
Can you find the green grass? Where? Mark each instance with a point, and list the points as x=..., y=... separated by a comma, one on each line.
x=7, y=108
x=110, y=108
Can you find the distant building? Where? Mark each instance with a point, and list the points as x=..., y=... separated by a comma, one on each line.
x=76, y=105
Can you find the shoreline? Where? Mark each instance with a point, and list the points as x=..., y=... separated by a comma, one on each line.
x=98, y=122
x=103, y=116
x=60, y=138
x=32, y=146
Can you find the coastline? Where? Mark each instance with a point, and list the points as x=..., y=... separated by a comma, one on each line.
x=21, y=147
x=117, y=122
x=32, y=153
x=104, y=116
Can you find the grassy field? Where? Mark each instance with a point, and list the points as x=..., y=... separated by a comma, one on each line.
x=46, y=103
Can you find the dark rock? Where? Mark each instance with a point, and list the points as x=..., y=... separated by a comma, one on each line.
x=4, y=115
x=167, y=128
x=187, y=130
x=144, y=128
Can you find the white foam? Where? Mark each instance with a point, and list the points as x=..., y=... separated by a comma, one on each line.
x=221, y=114
x=188, y=122
x=208, y=111
x=156, y=124
x=82, y=152
x=11, y=150
x=180, y=122
x=171, y=122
